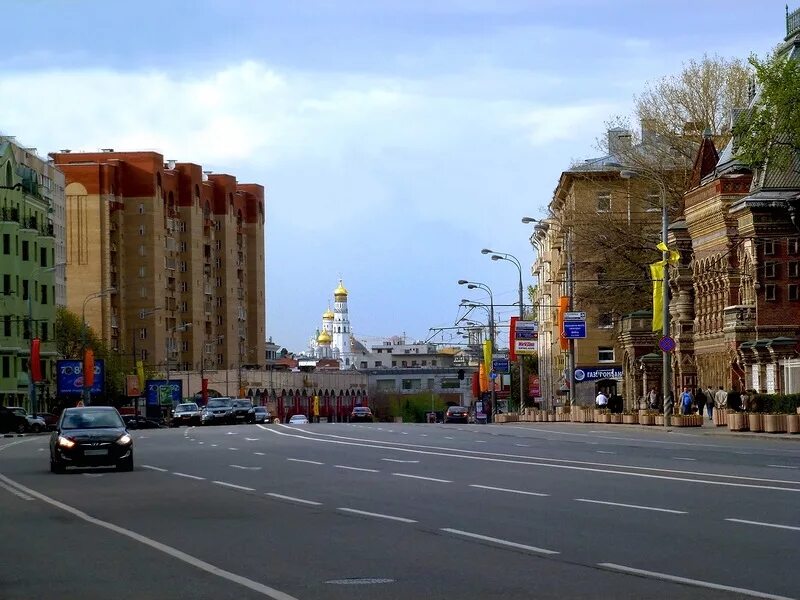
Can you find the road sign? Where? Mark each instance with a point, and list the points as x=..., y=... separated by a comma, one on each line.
x=500, y=365
x=574, y=330
x=575, y=315
x=666, y=343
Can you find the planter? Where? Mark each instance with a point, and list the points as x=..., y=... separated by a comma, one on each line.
x=602, y=418
x=630, y=419
x=647, y=419
x=551, y=418
x=720, y=416
x=793, y=423
x=660, y=420
x=599, y=413
x=755, y=421
x=686, y=421
x=775, y=423
x=737, y=421
x=616, y=418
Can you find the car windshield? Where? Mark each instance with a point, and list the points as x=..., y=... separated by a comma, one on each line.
x=91, y=419
x=219, y=403
x=242, y=404
x=361, y=410
x=260, y=409
x=453, y=409
x=186, y=407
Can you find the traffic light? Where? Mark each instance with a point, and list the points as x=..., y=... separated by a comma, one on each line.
x=461, y=374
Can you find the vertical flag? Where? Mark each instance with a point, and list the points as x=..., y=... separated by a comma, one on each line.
x=512, y=339
x=35, y=361
x=88, y=368
x=487, y=355
x=140, y=373
x=657, y=275
x=483, y=378
x=204, y=388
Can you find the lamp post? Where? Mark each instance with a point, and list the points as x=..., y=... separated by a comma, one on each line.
x=515, y=261
x=86, y=396
x=666, y=375
x=477, y=285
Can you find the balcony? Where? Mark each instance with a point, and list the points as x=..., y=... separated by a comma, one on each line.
x=170, y=263
x=208, y=290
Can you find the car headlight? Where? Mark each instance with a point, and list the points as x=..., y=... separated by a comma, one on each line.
x=124, y=439
x=65, y=442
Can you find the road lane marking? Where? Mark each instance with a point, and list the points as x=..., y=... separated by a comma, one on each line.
x=522, y=445
x=93, y=474
x=234, y=486
x=232, y=448
x=423, y=435
x=188, y=476
x=232, y=433
x=653, y=508
x=259, y=453
x=775, y=525
x=201, y=443
x=152, y=468
x=260, y=588
x=421, y=477
x=397, y=460
x=499, y=489
x=480, y=441
x=683, y=458
x=245, y=468
x=308, y=462
x=41, y=450
x=447, y=437
x=604, y=452
x=16, y=492
x=486, y=538
x=783, y=467
x=356, y=469
x=376, y=515
x=213, y=445
x=695, y=582
x=251, y=439
x=293, y=499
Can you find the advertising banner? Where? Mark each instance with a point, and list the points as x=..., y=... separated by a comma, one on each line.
x=69, y=376
x=595, y=373
x=534, y=388
x=158, y=393
x=526, y=337
x=132, y=389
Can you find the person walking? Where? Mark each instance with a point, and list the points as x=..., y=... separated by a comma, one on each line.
x=700, y=400
x=686, y=402
x=720, y=399
x=601, y=401
x=652, y=398
x=709, y=394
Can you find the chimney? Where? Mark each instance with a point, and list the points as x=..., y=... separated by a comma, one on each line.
x=649, y=132
x=619, y=140
x=170, y=164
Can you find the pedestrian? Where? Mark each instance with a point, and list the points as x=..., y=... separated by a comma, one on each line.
x=686, y=402
x=709, y=394
x=601, y=401
x=700, y=400
x=652, y=398
x=720, y=399
x=745, y=400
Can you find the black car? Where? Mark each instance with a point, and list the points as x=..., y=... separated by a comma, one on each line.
x=218, y=410
x=261, y=414
x=11, y=422
x=243, y=411
x=361, y=414
x=456, y=414
x=91, y=436
x=140, y=422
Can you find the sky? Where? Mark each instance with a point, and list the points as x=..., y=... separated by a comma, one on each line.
x=395, y=138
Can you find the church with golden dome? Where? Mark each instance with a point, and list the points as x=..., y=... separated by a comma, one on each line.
x=333, y=340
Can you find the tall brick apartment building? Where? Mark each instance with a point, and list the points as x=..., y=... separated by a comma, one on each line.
x=178, y=246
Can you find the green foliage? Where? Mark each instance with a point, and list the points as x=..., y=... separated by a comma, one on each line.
x=775, y=403
x=770, y=129
x=413, y=408
x=531, y=368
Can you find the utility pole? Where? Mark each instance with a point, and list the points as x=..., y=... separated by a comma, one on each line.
x=571, y=295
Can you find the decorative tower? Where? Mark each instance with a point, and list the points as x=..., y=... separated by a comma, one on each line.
x=323, y=345
x=341, y=328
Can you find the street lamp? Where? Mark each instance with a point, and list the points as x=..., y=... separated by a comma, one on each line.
x=86, y=396
x=478, y=285
x=515, y=261
x=665, y=324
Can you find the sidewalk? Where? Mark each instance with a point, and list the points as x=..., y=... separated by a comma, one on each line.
x=708, y=429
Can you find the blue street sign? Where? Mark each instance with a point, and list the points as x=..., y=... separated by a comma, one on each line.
x=574, y=330
x=500, y=365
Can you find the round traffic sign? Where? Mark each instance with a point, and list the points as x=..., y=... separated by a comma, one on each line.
x=666, y=343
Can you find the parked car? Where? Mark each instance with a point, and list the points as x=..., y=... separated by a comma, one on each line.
x=33, y=424
x=10, y=421
x=298, y=420
x=91, y=436
x=456, y=414
x=50, y=420
x=187, y=413
x=243, y=411
x=140, y=422
x=218, y=410
x=261, y=414
x=361, y=414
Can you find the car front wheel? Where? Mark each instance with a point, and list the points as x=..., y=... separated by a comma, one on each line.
x=56, y=467
x=126, y=464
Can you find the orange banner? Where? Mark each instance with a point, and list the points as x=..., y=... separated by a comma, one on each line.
x=88, y=368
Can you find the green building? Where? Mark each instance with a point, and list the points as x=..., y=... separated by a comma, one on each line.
x=27, y=276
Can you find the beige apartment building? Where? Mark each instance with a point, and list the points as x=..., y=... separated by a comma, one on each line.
x=166, y=260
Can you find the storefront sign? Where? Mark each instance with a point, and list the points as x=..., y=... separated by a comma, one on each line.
x=596, y=373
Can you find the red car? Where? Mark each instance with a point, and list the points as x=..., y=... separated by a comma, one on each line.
x=361, y=413
x=50, y=420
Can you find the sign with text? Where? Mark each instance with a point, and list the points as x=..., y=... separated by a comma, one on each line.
x=69, y=376
x=595, y=373
x=574, y=330
x=158, y=393
x=500, y=365
x=534, y=388
x=526, y=337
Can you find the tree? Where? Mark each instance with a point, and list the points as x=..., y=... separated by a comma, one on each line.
x=769, y=131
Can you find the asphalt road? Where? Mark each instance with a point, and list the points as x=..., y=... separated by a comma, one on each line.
x=406, y=511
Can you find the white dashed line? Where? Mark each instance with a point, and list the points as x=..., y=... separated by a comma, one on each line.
x=683, y=458
x=397, y=460
x=259, y=453
x=293, y=499
x=604, y=452
x=152, y=468
x=232, y=448
x=508, y=543
x=234, y=486
x=499, y=489
x=302, y=460
x=447, y=437
x=251, y=439
x=188, y=476
x=376, y=515
x=775, y=525
x=421, y=477
x=782, y=467
x=213, y=445
x=245, y=468
x=522, y=445
x=356, y=469
x=480, y=441
x=652, y=508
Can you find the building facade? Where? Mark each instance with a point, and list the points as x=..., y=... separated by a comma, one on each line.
x=29, y=189
x=175, y=254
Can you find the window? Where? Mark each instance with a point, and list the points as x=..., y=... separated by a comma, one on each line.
x=431, y=383
x=793, y=245
x=44, y=294
x=378, y=363
x=24, y=289
x=141, y=230
x=7, y=325
x=433, y=363
x=141, y=209
x=6, y=243
x=794, y=292
x=653, y=200
x=184, y=346
x=43, y=331
x=183, y=267
x=394, y=363
x=143, y=292
x=794, y=269
x=142, y=271
x=605, y=321
x=184, y=306
x=6, y=284
x=405, y=363
x=143, y=333
x=218, y=281
x=605, y=354
x=770, y=292
x=363, y=364
x=424, y=363
x=42, y=257
x=141, y=251
x=411, y=384
x=6, y=367
x=183, y=245
x=219, y=319
x=769, y=248
x=25, y=250
x=603, y=201
x=184, y=286
x=770, y=270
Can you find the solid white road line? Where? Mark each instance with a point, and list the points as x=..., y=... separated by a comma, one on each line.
x=447, y=437
x=777, y=526
x=397, y=460
x=356, y=469
x=666, y=510
x=245, y=468
x=188, y=476
x=234, y=486
x=695, y=582
x=293, y=499
x=376, y=515
x=152, y=468
x=508, y=543
x=308, y=462
x=260, y=588
x=421, y=477
x=783, y=467
x=499, y=489
x=16, y=492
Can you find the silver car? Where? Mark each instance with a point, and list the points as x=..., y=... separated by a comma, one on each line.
x=35, y=424
x=187, y=413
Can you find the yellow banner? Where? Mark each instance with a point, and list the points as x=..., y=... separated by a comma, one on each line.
x=140, y=373
x=657, y=275
x=487, y=355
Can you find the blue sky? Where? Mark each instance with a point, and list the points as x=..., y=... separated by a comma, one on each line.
x=395, y=138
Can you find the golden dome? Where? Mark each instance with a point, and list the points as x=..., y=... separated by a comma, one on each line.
x=328, y=314
x=324, y=338
x=341, y=290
